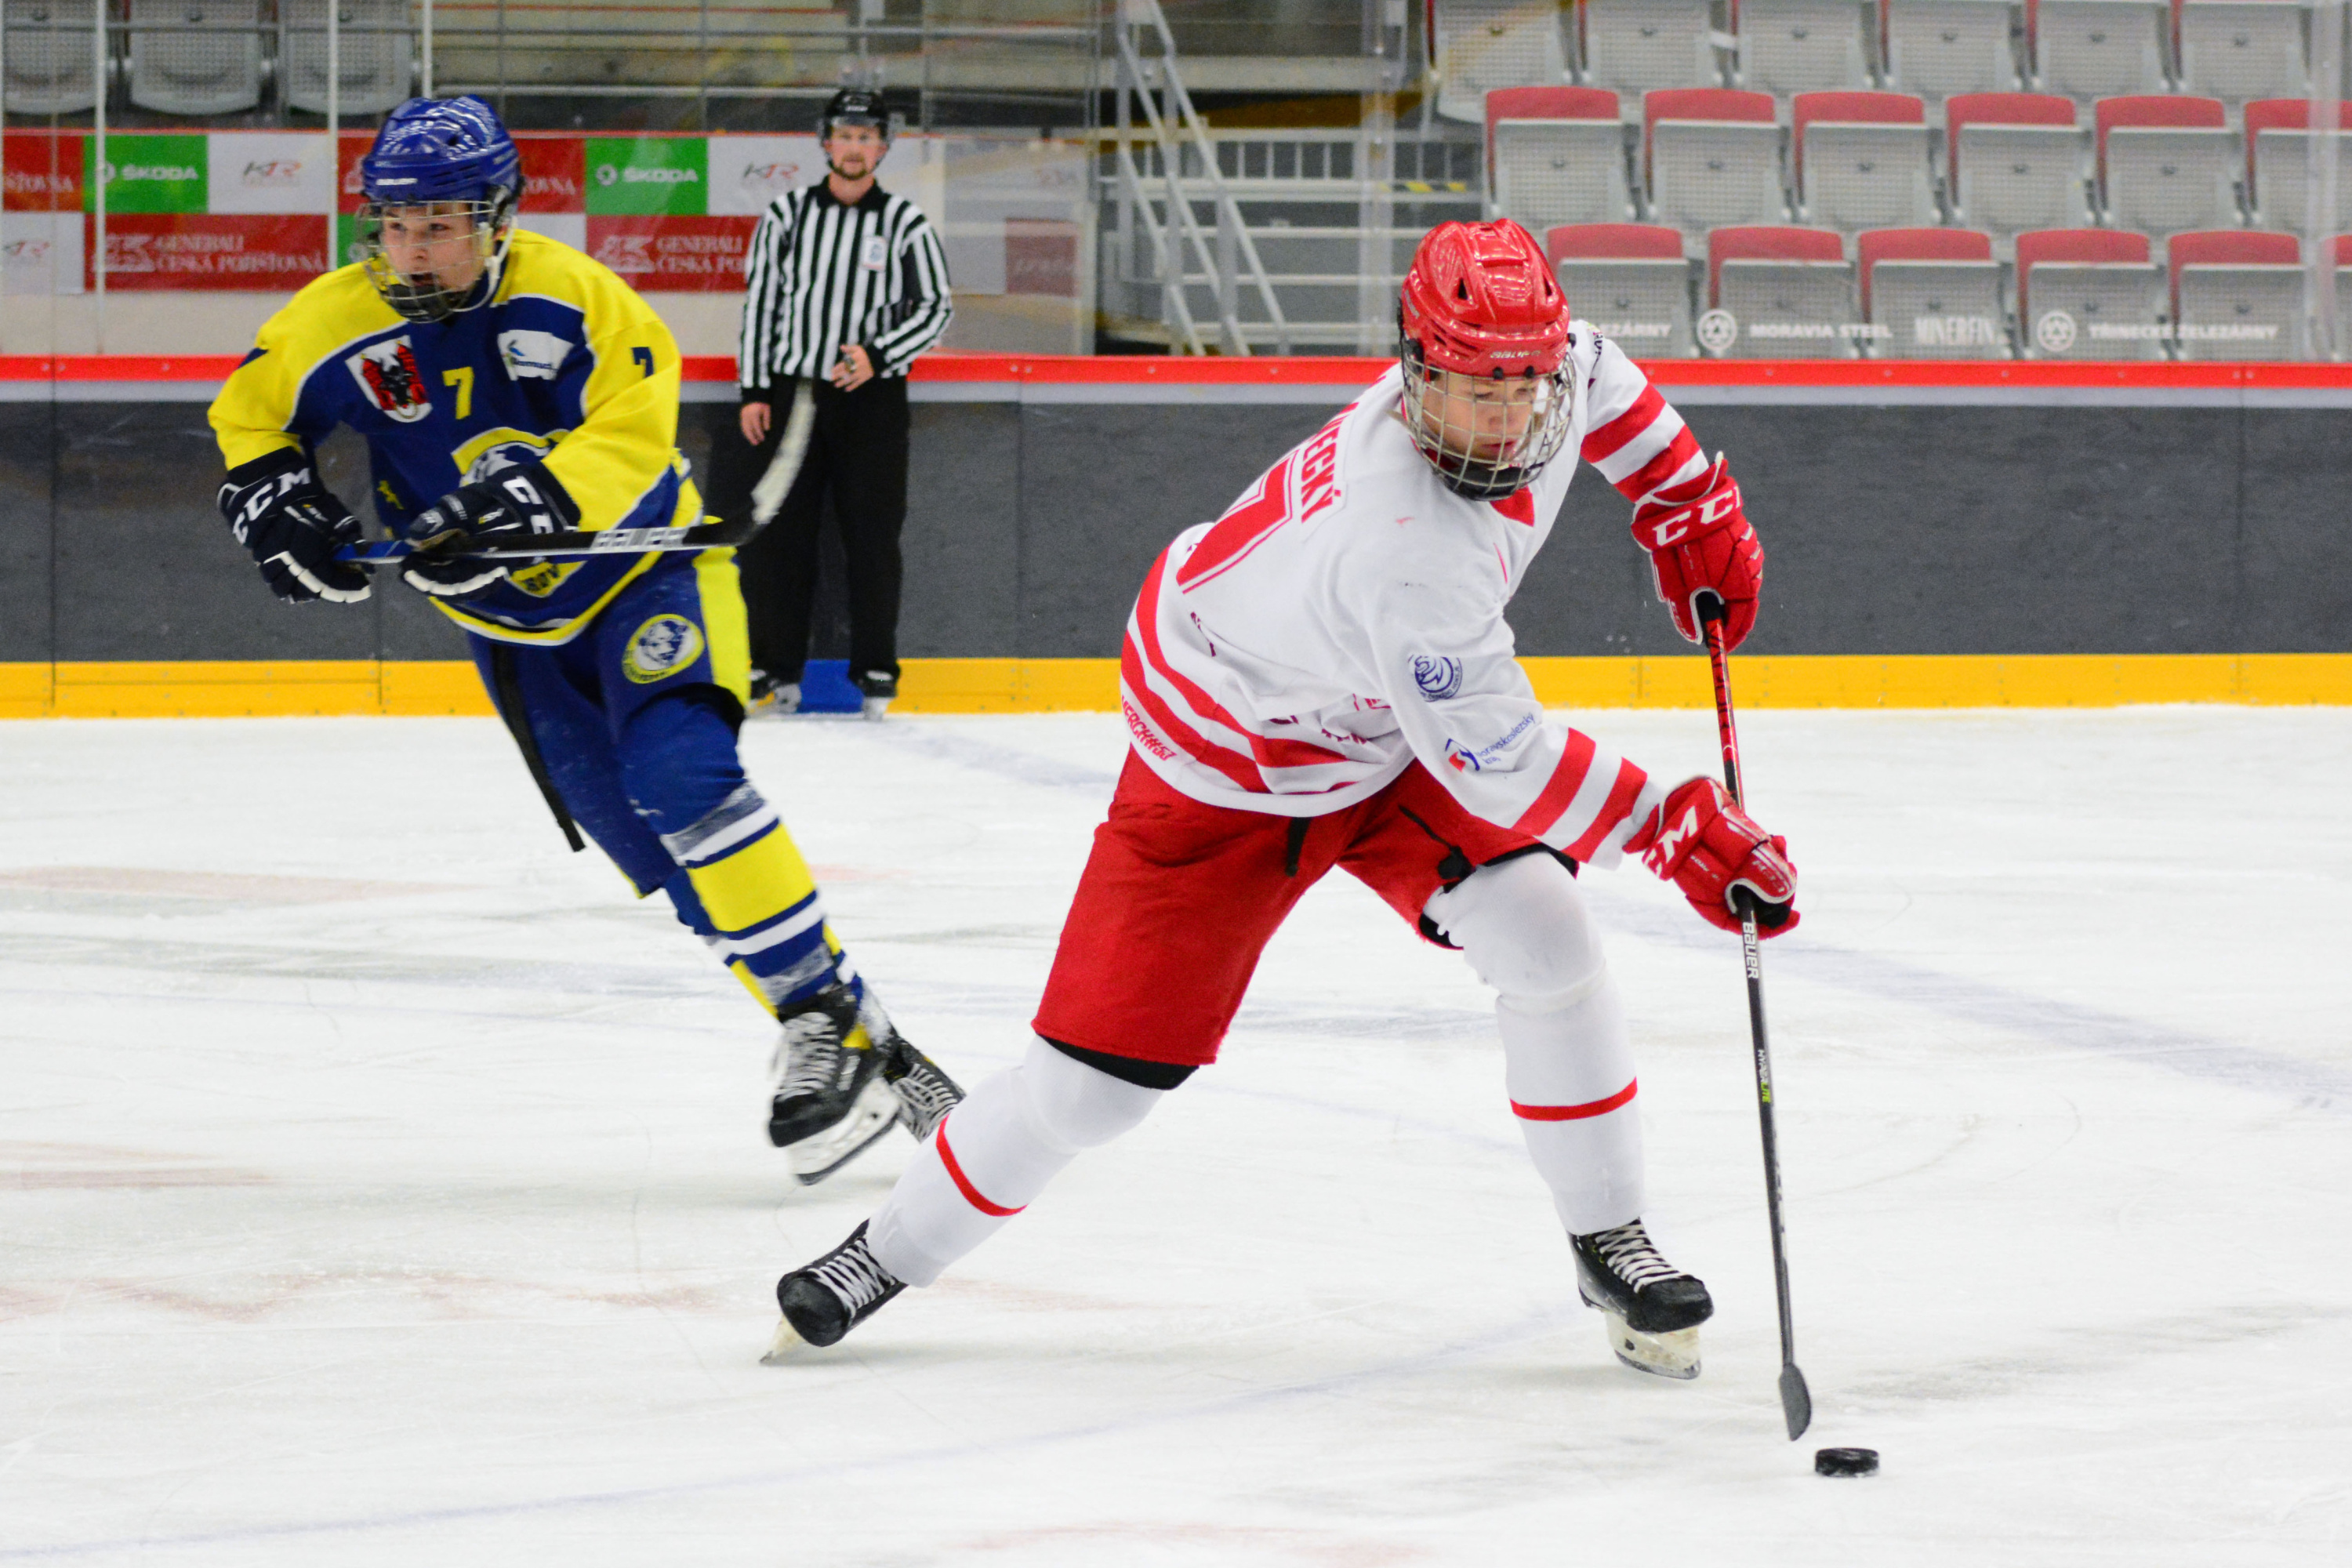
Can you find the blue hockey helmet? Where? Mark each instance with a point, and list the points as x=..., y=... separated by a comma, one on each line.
x=441, y=150
x=452, y=157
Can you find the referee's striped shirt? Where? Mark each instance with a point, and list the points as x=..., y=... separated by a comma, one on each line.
x=819, y=274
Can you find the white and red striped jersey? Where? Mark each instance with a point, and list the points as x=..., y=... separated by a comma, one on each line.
x=1345, y=617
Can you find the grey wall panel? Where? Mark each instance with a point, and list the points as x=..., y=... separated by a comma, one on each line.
x=2297, y=587
x=963, y=556
x=26, y=532
x=145, y=567
x=1104, y=488
x=1888, y=530
x=1989, y=529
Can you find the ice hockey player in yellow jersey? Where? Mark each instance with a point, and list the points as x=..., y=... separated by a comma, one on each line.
x=507, y=386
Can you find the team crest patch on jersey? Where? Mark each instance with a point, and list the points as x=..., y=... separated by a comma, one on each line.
x=1438, y=677
x=387, y=373
x=875, y=254
x=531, y=356
x=661, y=648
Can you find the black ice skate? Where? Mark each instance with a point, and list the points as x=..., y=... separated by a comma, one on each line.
x=831, y=1100
x=823, y=1301
x=1654, y=1310
x=925, y=1093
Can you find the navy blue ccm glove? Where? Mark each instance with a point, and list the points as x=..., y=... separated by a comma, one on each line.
x=286, y=518
x=510, y=508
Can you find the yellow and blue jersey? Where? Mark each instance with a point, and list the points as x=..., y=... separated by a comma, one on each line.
x=565, y=365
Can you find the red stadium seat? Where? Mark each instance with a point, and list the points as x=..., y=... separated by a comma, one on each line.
x=2242, y=295
x=1789, y=292
x=1710, y=156
x=1932, y=293
x=2013, y=162
x=1556, y=155
x=2109, y=282
x=1612, y=242
x=2166, y=163
x=1767, y=242
x=2276, y=163
x=1916, y=244
x=1870, y=166
x=1630, y=280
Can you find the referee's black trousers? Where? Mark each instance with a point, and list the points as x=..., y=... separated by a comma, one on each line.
x=857, y=451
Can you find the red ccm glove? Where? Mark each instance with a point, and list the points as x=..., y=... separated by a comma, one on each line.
x=1705, y=546
x=1707, y=846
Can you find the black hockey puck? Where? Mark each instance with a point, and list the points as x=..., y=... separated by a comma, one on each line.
x=1845, y=1461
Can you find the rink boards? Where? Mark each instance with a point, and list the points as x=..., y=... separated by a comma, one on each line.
x=1965, y=535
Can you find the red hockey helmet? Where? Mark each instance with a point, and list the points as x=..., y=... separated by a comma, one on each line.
x=1480, y=304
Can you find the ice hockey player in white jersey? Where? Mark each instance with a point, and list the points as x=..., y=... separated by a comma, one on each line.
x=1324, y=677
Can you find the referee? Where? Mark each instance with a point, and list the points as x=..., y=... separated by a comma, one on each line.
x=844, y=285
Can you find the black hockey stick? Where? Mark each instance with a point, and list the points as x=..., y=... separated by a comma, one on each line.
x=567, y=542
x=1795, y=1399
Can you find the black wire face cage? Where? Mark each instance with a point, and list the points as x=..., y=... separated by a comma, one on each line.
x=427, y=299
x=1484, y=461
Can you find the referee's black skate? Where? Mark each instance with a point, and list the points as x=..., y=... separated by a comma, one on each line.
x=824, y=1300
x=1652, y=1309
x=831, y=1100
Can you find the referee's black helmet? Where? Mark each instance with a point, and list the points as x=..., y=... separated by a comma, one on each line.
x=854, y=106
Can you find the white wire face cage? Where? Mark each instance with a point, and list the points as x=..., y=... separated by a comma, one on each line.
x=1487, y=437
x=491, y=222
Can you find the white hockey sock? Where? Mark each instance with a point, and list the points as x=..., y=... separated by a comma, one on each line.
x=1568, y=1063
x=995, y=1153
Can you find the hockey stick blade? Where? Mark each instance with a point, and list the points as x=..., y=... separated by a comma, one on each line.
x=768, y=494
x=565, y=542
x=1796, y=1401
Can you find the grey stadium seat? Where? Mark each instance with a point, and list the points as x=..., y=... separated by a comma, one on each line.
x=2087, y=49
x=2167, y=163
x=1713, y=157
x=1632, y=46
x=2278, y=160
x=2239, y=295
x=1861, y=161
x=375, y=55
x=48, y=64
x=1558, y=155
x=1934, y=293
x=2089, y=294
x=1488, y=43
x=1939, y=47
x=195, y=57
x=1802, y=45
x=1790, y=290
x=2015, y=161
x=2238, y=50
x=1631, y=281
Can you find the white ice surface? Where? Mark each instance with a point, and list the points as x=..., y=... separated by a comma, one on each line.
x=378, y=1184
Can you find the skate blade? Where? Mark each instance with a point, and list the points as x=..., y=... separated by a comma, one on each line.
x=1673, y=1354
x=820, y=1154
x=785, y=1346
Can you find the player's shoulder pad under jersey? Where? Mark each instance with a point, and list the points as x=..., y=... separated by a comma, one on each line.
x=323, y=322
x=545, y=276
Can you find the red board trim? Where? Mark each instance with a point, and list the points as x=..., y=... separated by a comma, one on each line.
x=1075, y=370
